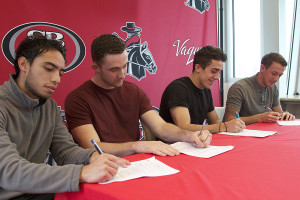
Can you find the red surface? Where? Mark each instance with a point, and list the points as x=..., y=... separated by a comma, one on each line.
x=257, y=168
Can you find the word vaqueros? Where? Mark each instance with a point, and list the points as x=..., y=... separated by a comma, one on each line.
x=184, y=50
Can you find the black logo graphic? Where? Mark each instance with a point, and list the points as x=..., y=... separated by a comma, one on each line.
x=8, y=43
x=140, y=58
x=199, y=5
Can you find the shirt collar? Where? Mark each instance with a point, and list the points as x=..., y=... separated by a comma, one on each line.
x=22, y=97
x=256, y=85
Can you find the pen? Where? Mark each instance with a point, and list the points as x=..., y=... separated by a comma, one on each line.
x=97, y=147
x=268, y=108
x=204, y=122
x=237, y=115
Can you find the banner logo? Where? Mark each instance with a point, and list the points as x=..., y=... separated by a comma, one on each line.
x=140, y=58
x=199, y=5
x=183, y=49
x=75, y=46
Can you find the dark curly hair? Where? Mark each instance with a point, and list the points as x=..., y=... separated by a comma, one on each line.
x=33, y=46
x=205, y=55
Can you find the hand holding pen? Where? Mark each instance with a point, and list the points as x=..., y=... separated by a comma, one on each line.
x=121, y=162
x=235, y=125
x=283, y=116
x=270, y=110
x=204, y=137
x=101, y=167
x=270, y=116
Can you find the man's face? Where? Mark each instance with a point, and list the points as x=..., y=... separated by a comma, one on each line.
x=211, y=73
x=271, y=75
x=113, y=70
x=44, y=74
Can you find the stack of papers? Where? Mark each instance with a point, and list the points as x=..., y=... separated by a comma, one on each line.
x=147, y=167
x=289, y=123
x=251, y=133
x=210, y=151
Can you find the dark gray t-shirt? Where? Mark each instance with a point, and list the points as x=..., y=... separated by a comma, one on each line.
x=251, y=97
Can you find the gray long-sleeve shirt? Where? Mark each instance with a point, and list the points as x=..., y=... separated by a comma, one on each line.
x=28, y=129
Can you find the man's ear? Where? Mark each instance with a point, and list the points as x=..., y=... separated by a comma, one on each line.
x=95, y=67
x=23, y=64
x=263, y=68
x=197, y=68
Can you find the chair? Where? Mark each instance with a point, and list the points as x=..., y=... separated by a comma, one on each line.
x=220, y=112
x=147, y=133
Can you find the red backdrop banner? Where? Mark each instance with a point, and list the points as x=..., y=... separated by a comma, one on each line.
x=162, y=37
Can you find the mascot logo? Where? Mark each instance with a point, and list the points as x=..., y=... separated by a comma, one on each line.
x=140, y=58
x=75, y=46
x=199, y=5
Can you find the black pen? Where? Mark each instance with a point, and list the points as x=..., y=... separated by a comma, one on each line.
x=97, y=147
x=204, y=123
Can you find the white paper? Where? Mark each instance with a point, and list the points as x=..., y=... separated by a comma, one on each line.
x=251, y=133
x=148, y=167
x=210, y=151
x=289, y=123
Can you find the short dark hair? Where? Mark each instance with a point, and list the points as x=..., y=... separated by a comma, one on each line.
x=33, y=46
x=106, y=44
x=205, y=55
x=268, y=59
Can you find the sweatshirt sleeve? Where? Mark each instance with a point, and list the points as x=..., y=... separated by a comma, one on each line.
x=19, y=174
x=63, y=147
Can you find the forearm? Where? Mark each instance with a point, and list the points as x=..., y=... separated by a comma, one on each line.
x=248, y=120
x=213, y=128
x=118, y=149
x=251, y=119
x=42, y=178
x=65, y=151
x=170, y=133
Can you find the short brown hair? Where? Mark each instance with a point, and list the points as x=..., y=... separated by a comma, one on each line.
x=205, y=55
x=106, y=44
x=268, y=59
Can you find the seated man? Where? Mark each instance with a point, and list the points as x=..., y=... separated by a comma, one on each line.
x=30, y=125
x=187, y=101
x=107, y=108
x=256, y=99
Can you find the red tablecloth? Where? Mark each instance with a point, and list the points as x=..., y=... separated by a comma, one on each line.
x=257, y=168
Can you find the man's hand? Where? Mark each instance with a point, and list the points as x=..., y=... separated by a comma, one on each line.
x=286, y=116
x=201, y=141
x=155, y=147
x=102, y=168
x=269, y=117
x=235, y=125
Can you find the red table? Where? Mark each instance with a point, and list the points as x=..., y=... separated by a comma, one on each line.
x=257, y=168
